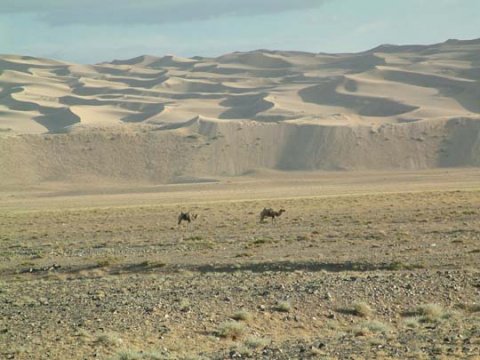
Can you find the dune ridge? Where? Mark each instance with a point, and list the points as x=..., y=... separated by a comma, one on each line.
x=406, y=107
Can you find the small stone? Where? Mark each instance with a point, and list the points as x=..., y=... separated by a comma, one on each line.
x=235, y=354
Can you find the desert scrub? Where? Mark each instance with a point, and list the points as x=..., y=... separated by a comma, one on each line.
x=242, y=316
x=469, y=308
x=412, y=323
x=106, y=261
x=84, y=335
x=256, y=342
x=283, y=306
x=362, y=309
x=109, y=339
x=429, y=313
x=185, y=305
x=240, y=349
x=231, y=330
x=369, y=327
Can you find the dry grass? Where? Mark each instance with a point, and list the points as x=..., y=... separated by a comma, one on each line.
x=428, y=312
x=283, y=306
x=109, y=339
x=257, y=342
x=362, y=309
x=232, y=330
x=242, y=316
x=371, y=327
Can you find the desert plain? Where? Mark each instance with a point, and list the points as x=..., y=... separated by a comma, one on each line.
x=377, y=265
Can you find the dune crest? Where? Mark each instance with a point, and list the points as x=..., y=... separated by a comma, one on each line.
x=388, y=107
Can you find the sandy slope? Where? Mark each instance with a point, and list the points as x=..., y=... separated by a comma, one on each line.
x=391, y=107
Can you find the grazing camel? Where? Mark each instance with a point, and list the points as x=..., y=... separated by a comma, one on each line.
x=270, y=213
x=187, y=217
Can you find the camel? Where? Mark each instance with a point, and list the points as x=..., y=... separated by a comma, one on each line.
x=187, y=217
x=270, y=213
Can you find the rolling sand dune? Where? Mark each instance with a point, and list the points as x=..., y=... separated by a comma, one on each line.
x=160, y=119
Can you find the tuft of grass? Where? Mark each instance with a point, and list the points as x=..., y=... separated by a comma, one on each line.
x=107, y=261
x=109, y=339
x=377, y=342
x=369, y=327
x=283, y=306
x=241, y=350
x=362, y=309
x=231, y=330
x=469, y=308
x=185, y=305
x=256, y=342
x=428, y=312
x=242, y=316
x=412, y=323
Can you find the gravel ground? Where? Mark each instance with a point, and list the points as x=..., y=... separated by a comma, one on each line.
x=378, y=276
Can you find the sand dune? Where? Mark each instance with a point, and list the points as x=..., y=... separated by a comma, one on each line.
x=394, y=83
x=389, y=107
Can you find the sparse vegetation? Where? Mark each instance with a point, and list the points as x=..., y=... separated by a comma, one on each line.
x=196, y=299
x=369, y=327
x=362, y=309
x=232, y=330
x=412, y=323
x=242, y=316
x=283, y=306
x=109, y=339
x=257, y=343
x=106, y=261
x=470, y=308
x=428, y=312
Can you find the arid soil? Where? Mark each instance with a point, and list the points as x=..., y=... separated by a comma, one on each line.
x=360, y=266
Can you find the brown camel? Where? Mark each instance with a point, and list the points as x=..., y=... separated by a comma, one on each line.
x=270, y=213
x=187, y=217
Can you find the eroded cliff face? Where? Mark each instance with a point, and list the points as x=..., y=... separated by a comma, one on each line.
x=207, y=149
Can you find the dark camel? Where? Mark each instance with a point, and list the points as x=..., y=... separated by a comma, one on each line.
x=270, y=213
x=186, y=217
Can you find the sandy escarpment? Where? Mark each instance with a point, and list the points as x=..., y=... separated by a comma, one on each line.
x=155, y=119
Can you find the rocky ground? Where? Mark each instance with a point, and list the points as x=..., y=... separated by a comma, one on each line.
x=378, y=276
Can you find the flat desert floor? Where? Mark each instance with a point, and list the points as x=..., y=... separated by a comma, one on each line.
x=361, y=265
